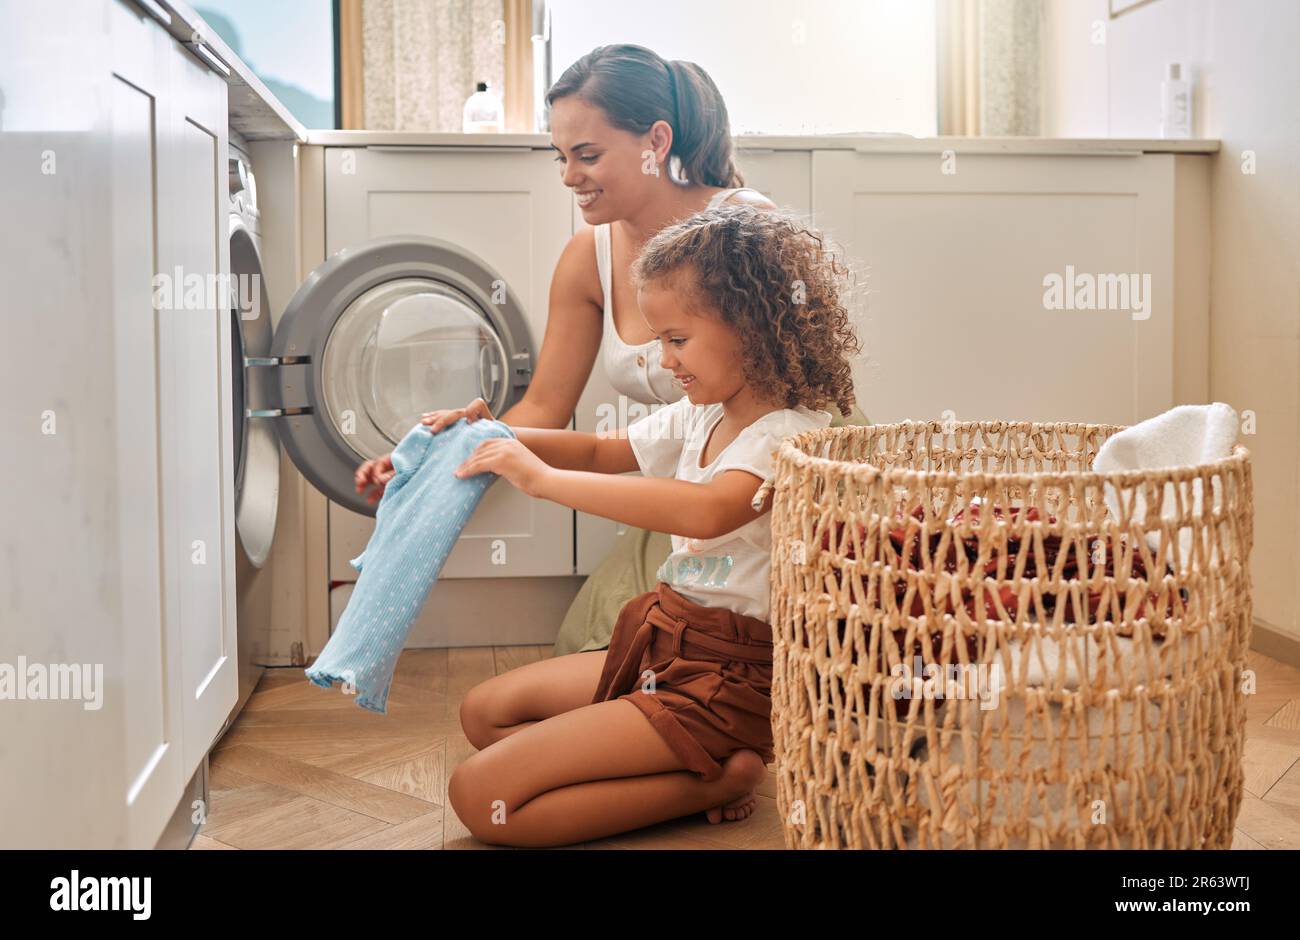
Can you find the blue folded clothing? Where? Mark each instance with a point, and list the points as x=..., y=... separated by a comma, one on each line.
x=420, y=516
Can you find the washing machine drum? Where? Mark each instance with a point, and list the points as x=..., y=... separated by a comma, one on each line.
x=380, y=334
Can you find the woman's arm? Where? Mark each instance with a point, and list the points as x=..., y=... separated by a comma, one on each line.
x=572, y=340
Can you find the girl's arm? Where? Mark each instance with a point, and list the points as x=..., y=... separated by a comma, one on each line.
x=661, y=504
x=578, y=450
x=692, y=510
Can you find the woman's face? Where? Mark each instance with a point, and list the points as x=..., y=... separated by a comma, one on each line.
x=702, y=352
x=610, y=171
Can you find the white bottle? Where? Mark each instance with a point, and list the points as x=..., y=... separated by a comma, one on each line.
x=483, y=112
x=1175, y=104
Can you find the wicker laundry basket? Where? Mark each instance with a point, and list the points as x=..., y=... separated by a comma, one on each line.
x=980, y=643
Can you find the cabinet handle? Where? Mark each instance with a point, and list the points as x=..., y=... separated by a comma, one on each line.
x=209, y=57
x=153, y=11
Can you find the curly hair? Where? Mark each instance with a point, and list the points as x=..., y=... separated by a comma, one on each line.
x=778, y=284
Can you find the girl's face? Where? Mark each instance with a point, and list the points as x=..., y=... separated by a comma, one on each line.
x=703, y=353
x=611, y=171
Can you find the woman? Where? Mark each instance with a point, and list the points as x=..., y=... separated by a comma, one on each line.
x=622, y=120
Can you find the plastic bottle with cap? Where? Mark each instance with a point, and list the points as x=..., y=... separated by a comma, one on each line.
x=483, y=112
x=1175, y=103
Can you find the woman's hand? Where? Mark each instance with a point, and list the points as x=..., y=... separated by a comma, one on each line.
x=376, y=473
x=509, y=458
x=437, y=420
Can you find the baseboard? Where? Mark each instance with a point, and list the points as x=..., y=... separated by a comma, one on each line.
x=1275, y=644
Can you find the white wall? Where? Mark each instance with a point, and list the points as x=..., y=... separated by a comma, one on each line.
x=1243, y=55
x=783, y=66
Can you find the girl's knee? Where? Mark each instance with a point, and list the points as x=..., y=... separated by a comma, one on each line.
x=476, y=715
x=478, y=803
x=465, y=795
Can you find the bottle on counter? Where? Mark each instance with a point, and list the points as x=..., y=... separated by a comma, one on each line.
x=1175, y=103
x=483, y=112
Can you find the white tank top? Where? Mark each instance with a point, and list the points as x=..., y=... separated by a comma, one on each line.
x=634, y=370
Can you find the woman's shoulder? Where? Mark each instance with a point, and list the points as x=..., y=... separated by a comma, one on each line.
x=582, y=242
x=576, y=269
x=748, y=197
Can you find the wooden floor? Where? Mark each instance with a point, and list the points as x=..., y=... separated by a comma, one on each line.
x=304, y=767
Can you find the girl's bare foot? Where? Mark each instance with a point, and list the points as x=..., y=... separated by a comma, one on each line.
x=746, y=769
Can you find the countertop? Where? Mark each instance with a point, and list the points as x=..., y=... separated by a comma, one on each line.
x=254, y=111
x=864, y=143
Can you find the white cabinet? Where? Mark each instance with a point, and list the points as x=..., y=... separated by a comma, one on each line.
x=957, y=254
x=140, y=134
x=195, y=379
x=119, y=551
x=175, y=470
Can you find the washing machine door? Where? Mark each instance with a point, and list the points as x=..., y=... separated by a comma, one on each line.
x=381, y=333
x=256, y=448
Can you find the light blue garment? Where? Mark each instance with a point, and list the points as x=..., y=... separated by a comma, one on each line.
x=422, y=512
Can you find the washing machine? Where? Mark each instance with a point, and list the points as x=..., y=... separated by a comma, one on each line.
x=254, y=443
x=431, y=291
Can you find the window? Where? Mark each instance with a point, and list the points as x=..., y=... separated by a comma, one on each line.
x=289, y=45
x=783, y=66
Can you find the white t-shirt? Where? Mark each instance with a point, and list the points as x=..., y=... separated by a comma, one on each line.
x=733, y=570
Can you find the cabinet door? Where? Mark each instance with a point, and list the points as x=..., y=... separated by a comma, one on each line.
x=197, y=469
x=151, y=652
x=507, y=207
x=784, y=176
x=952, y=256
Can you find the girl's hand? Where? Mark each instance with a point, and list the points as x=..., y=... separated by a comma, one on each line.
x=437, y=420
x=510, y=459
x=375, y=473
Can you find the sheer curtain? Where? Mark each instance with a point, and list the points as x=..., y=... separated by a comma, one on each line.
x=989, y=67
x=422, y=59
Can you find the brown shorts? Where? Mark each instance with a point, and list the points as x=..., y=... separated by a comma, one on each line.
x=712, y=676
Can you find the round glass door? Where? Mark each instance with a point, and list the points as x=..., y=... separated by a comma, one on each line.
x=380, y=333
x=401, y=349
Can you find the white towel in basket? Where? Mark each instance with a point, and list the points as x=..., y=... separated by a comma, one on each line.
x=1185, y=436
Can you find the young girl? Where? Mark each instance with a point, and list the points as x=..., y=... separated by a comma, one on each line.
x=674, y=717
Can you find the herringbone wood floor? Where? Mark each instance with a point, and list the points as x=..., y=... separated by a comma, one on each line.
x=304, y=767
